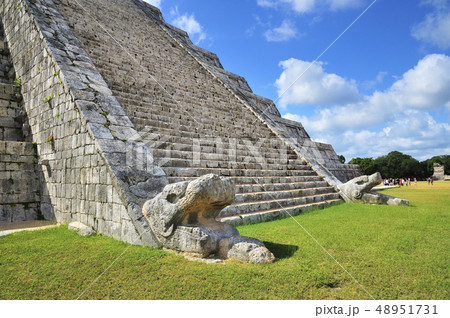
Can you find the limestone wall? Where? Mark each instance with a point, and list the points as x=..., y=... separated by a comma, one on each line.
x=80, y=130
x=20, y=187
x=19, y=183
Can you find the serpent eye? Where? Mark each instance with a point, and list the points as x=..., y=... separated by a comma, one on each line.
x=172, y=198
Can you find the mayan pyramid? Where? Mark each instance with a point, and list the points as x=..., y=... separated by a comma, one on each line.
x=102, y=104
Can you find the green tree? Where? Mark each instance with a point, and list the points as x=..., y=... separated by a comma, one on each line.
x=394, y=165
x=398, y=165
x=442, y=160
x=341, y=158
x=367, y=165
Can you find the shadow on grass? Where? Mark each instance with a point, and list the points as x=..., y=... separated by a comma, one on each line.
x=281, y=251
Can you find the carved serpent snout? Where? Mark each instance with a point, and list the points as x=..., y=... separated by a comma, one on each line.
x=207, y=196
x=356, y=188
x=189, y=203
x=183, y=218
x=366, y=183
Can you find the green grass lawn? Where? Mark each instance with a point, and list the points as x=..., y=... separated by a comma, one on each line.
x=394, y=252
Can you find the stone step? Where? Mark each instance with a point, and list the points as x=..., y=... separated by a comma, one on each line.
x=281, y=194
x=145, y=103
x=5, y=71
x=130, y=87
x=206, y=119
x=23, y=152
x=209, y=154
x=174, y=111
x=280, y=204
x=168, y=139
x=227, y=164
x=133, y=94
x=197, y=172
x=202, y=130
x=19, y=212
x=250, y=188
x=11, y=134
x=274, y=214
x=20, y=191
x=10, y=122
x=9, y=108
x=9, y=92
x=5, y=63
x=258, y=181
x=8, y=89
x=19, y=182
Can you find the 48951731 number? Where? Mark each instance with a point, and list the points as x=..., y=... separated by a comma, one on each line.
x=407, y=310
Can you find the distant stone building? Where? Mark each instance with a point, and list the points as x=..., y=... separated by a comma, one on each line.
x=103, y=103
x=439, y=172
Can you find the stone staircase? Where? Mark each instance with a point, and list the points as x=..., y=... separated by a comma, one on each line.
x=268, y=184
x=19, y=181
x=191, y=122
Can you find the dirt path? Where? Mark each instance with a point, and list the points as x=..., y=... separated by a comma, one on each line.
x=11, y=227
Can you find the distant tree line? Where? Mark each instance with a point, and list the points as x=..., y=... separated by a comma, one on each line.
x=398, y=165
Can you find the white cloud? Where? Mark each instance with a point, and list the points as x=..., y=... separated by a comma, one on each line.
x=380, y=76
x=312, y=85
x=435, y=29
x=378, y=79
x=188, y=23
x=266, y=3
x=287, y=29
x=344, y=4
x=284, y=32
x=426, y=86
x=307, y=6
x=400, y=115
x=301, y=6
x=294, y=117
x=412, y=132
x=156, y=3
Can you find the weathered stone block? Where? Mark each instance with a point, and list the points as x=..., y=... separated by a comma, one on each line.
x=81, y=229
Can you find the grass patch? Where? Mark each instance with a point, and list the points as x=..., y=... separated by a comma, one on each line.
x=394, y=252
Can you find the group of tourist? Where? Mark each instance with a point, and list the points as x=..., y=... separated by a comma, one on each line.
x=404, y=181
x=399, y=181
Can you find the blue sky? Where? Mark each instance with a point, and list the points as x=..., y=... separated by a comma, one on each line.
x=384, y=85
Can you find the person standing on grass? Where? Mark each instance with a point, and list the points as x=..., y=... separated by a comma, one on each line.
x=415, y=181
x=431, y=180
x=428, y=179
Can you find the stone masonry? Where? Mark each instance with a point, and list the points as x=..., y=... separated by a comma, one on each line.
x=321, y=157
x=20, y=186
x=119, y=104
x=73, y=116
x=192, y=122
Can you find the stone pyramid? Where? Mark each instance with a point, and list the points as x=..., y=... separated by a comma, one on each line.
x=119, y=104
